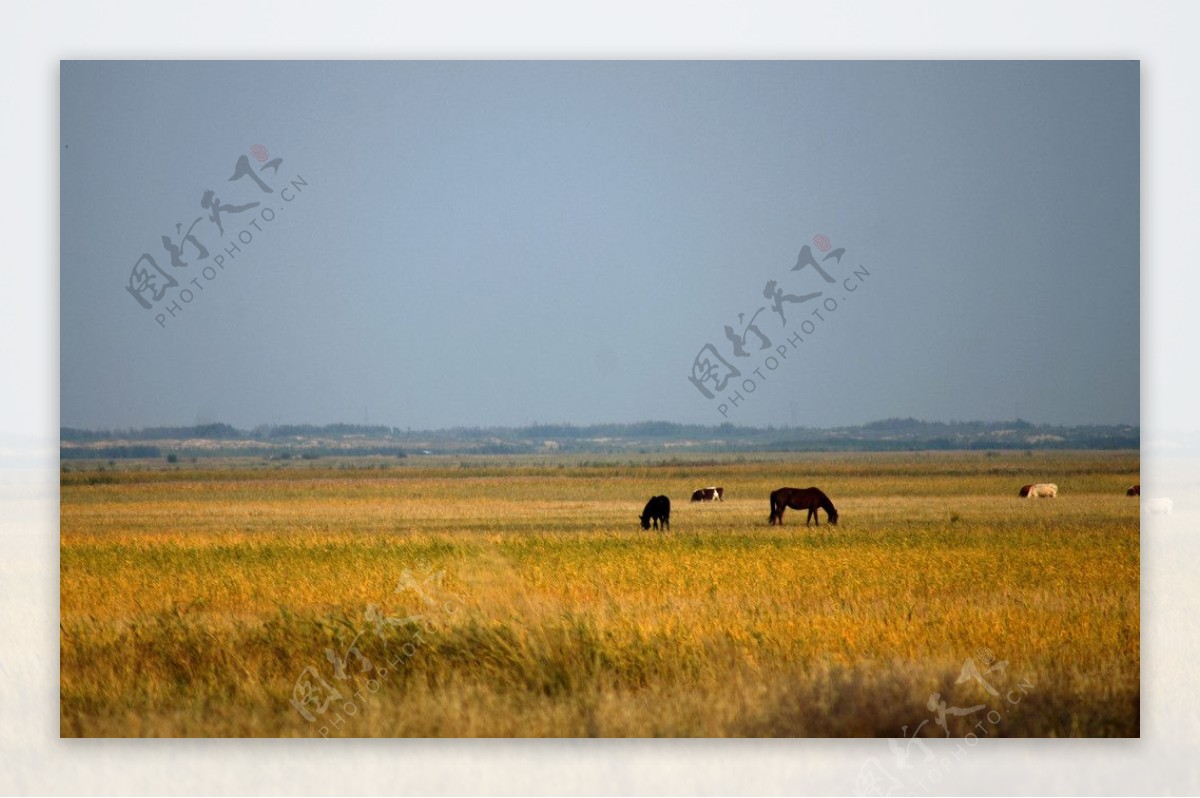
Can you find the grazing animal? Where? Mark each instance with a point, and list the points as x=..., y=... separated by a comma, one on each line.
x=1158, y=506
x=1024, y=493
x=1046, y=490
x=802, y=499
x=1134, y=490
x=708, y=494
x=658, y=509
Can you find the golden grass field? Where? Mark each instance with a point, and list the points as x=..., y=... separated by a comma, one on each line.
x=518, y=596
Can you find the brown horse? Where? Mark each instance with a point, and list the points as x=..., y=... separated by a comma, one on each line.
x=1135, y=490
x=802, y=499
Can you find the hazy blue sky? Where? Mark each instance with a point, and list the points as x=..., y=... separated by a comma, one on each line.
x=484, y=243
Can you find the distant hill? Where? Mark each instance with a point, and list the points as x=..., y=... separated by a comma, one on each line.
x=310, y=441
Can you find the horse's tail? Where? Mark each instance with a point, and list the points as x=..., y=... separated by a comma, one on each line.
x=774, y=510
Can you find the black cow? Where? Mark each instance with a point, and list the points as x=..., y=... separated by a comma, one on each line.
x=708, y=494
x=657, y=509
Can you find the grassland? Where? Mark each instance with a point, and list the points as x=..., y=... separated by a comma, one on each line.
x=516, y=596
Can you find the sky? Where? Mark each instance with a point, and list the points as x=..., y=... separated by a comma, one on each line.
x=438, y=244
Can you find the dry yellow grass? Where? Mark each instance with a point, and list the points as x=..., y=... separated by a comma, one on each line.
x=193, y=599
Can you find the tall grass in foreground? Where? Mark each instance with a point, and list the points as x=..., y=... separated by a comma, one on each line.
x=519, y=599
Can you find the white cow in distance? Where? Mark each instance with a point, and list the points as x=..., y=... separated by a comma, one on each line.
x=1046, y=490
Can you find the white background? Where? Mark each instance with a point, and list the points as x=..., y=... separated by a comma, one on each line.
x=34, y=38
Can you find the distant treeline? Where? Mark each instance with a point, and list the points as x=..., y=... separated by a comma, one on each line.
x=225, y=432
x=211, y=432
x=274, y=432
x=109, y=452
x=310, y=440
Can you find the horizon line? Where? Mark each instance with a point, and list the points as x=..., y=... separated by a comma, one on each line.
x=584, y=425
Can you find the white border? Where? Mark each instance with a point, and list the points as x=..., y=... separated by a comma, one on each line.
x=35, y=37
